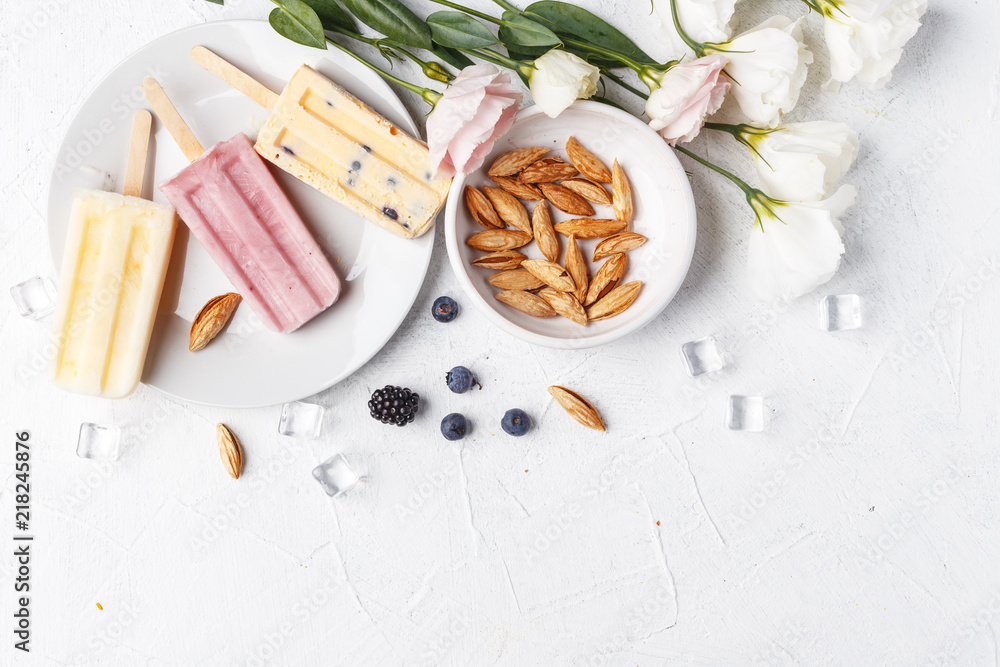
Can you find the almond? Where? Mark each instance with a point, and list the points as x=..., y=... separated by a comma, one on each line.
x=577, y=268
x=515, y=279
x=565, y=304
x=616, y=301
x=621, y=194
x=618, y=243
x=526, y=302
x=229, y=450
x=565, y=199
x=508, y=208
x=606, y=278
x=481, y=209
x=211, y=319
x=494, y=240
x=545, y=235
x=516, y=160
x=547, y=170
x=549, y=273
x=578, y=407
x=500, y=261
x=589, y=228
x=586, y=162
x=524, y=191
x=589, y=190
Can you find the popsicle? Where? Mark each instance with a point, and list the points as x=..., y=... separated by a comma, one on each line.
x=234, y=207
x=113, y=269
x=326, y=137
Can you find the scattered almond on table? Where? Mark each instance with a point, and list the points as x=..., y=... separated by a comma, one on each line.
x=543, y=287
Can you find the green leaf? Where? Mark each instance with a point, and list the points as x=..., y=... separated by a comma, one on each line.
x=295, y=20
x=519, y=30
x=394, y=20
x=330, y=13
x=459, y=31
x=568, y=19
x=217, y=2
x=453, y=57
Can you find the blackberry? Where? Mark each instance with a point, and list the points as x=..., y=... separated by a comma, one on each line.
x=394, y=405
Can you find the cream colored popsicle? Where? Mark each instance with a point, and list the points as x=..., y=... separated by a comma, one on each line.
x=323, y=135
x=113, y=269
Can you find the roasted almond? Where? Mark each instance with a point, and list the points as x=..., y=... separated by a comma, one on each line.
x=500, y=261
x=229, y=450
x=549, y=273
x=589, y=190
x=578, y=407
x=481, y=209
x=621, y=194
x=606, y=278
x=508, y=208
x=526, y=302
x=618, y=243
x=577, y=268
x=516, y=160
x=565, y=304
x=616, y=301
x=525, y=191
x=515, y=279
x=545, y=235
x=565, y=199
x=589, y=228
x=547, y=170
x=586, y=162
x=494, y=240
x=211, y=319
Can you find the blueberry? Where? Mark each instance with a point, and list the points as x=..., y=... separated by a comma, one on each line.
x=453, y=426
x=390, y=212
x=445, y=309
x=516, y=422
x=460, y=379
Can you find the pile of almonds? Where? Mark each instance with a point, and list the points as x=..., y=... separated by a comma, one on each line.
x=543, y=287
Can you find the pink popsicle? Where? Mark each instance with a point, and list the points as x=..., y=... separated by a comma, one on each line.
x=234, y=207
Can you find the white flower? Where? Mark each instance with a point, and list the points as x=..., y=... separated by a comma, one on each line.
x=795, y=247
x=706, y=21
x=561, y=78
x=688, y=92
x=866, y=37
x=803, y=161
x=768, y=66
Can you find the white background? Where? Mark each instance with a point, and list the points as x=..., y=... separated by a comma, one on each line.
x=860, y=528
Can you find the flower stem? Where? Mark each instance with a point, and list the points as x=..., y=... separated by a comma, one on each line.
x=506, y=5
x=761, y=204
x=697, y=47
x=611, y=76
x=746, y=135
x=428, y=95
x=500, y=59
x=467, y=10
x=432, y=70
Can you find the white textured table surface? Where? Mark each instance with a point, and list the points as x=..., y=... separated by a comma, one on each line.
x=860, y=528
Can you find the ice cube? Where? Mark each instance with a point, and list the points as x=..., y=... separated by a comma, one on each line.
x=301, y=420
x=99, y=442
x=35, y=297
x=702, y=356
x=746, y=413
x=335, y=476
x=840, y=312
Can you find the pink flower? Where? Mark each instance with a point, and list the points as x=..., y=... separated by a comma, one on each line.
x=476, y=109
x=688, y=92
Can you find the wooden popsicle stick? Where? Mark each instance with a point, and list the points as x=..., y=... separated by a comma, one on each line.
x=235, y=77
x=171, y=119
x=135, y=169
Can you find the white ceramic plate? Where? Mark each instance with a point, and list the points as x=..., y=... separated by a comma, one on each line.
x=247, y=366
x=664, y=212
